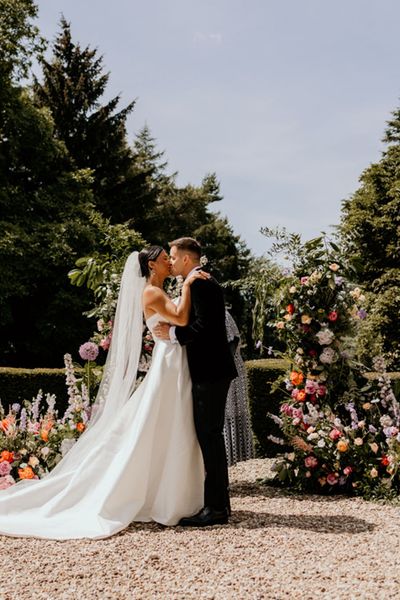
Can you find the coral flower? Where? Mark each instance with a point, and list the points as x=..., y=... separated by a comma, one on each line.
x=5, y=423
x=301, y=396
x=26, y=473
x=385, y=461
x=80, y=427
x=342, y=446
x=7, y=456
x=296, y=378
x=290, y=309
x=44, y=434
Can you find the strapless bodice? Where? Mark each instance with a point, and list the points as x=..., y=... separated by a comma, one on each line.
x=152, y=322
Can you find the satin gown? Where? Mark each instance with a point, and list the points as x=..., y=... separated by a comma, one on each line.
x=148, y=467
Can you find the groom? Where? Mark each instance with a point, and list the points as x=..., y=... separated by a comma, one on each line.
x=211, y=368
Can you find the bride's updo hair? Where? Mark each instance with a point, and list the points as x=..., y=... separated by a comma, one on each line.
x=147, y=254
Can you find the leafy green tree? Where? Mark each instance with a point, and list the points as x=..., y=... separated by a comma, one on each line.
x=19, y=38
x=370, y=234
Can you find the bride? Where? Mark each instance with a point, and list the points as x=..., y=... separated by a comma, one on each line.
x=139, y=459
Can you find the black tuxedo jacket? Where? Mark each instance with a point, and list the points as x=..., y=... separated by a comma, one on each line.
x=209, y=356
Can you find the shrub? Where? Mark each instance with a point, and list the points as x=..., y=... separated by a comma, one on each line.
x=261, y=375
x=17, y=385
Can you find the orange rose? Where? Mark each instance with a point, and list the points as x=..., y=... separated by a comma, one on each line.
x=80, y=427
x=342, y=446
x=296, y=378
x=44, y=434
x=290, y=309
x=301, y=396
x=26, y=473
x=7, y=456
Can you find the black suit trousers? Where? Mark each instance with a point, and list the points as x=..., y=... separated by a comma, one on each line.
x=209, y=400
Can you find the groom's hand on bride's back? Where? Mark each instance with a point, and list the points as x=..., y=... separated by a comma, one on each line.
x=161, y=330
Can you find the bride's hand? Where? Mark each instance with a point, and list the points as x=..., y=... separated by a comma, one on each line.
x=196, y=275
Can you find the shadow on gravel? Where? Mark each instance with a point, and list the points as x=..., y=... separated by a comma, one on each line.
x=317, y=523
x=257, y=488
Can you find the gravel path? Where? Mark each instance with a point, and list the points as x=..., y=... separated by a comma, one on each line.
x=276, y=546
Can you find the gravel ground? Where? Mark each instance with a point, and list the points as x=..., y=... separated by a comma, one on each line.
x=276, y=546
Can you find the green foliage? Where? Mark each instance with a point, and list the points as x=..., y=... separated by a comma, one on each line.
x=19, y=38
x=263, y=399
x=370, y=236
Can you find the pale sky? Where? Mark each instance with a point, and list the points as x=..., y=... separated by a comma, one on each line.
x=285, y=100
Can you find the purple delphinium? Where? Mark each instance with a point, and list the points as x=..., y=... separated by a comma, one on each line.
x=22, y=420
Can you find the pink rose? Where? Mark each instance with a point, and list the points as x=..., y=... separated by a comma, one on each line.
x=332, y=478
x=287, y=410
x=5, y=468
x=334, y=434
x=304, y=280
x=333, y=316
x=105, y=343
x=311, y=386
x=347, y=470
x=298, y=413
x=321, y=391
x=6, y=482
x=310, y=462
x=295, y=393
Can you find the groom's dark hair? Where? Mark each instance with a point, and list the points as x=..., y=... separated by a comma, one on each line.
x=187, y=244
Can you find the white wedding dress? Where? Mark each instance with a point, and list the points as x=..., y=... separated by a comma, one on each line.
x=146, y=465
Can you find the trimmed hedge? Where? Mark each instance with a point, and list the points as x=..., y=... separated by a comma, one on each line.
x=23, y=384
x=261, y=374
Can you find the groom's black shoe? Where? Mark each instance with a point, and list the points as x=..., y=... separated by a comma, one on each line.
x=206, y=517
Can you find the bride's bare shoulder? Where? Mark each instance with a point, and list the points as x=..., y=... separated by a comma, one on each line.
x=151, y=294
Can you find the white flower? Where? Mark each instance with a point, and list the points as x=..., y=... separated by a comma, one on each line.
x=358, y=441
x=44, y=451
x=385, y=421
x=321, y=443
x=313, y=436
x=325, y=337
x=328, y=356
x=292, y=289
x=66, y=445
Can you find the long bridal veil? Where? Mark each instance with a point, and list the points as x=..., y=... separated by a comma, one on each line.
x=120, y=370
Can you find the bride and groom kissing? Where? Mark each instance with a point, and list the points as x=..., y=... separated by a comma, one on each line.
x=155, y=453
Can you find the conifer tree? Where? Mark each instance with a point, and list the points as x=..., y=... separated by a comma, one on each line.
x=94, y=133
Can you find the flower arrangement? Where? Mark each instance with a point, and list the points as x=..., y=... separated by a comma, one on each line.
x=344, y=429
x=34, y=438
